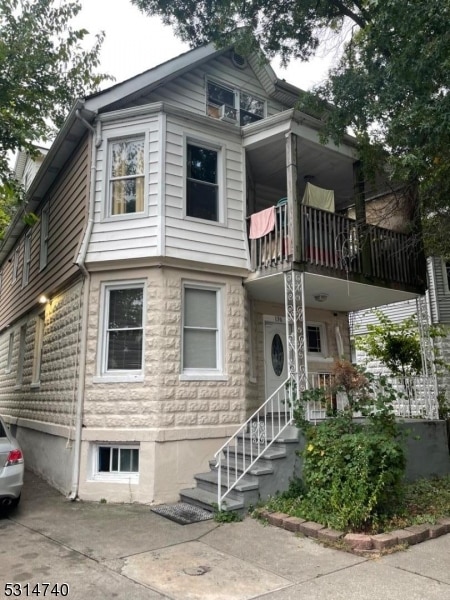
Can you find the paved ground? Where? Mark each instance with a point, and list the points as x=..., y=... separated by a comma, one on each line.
x=105, y=551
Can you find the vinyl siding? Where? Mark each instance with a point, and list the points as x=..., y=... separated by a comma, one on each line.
x=188, y=91
x=215, y=243
x=442, y=293
x=68, y=204
x=124, y=237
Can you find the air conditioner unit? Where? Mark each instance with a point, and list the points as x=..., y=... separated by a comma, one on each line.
x=228, y=113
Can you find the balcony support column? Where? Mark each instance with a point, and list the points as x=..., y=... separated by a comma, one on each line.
x=293, y=196
x=360, y=215
x=296, y=327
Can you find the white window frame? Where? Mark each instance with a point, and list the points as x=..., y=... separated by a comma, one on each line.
x=323, y=341
x=218, y=373
x=113, y=476
x=43, y=251
x=38, y=346
x=15, y=269
x=221, y=208
x=10, y=352
x=26, y=259
x=21, y=357
x=237, y=97
x=103, y=374
x=132, y=135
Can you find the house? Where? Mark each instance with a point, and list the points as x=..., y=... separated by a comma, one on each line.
x=430, y=310
x=194, y=252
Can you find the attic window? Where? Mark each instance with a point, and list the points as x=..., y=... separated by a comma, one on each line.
x=238, y=60
x=232, y=105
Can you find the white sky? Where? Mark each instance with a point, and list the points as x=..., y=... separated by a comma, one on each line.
x=135, y=43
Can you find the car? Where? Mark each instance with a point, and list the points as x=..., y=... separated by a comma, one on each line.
x=12, y=468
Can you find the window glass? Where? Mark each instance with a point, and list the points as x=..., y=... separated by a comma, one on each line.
x=251, y=109
x=127, y=177
x=202, y=189
x=117, y=459
x=313, y=336
x=125, y=329
x=219, y=95
x=201, y=333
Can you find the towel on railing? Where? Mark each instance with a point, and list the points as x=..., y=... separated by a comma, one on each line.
x=262, y=223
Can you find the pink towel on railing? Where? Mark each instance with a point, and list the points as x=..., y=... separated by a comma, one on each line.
x=262, y=223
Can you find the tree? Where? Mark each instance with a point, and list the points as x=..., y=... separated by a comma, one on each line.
x=43, y=69
x=391, y=86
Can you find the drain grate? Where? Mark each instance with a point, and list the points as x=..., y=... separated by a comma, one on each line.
x=182, y=513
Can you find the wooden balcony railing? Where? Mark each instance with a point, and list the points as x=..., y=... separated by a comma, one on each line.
x=337, y=242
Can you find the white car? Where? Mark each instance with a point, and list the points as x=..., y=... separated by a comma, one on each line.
x=11, y=468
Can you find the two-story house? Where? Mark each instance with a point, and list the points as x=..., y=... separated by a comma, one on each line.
x=194, y=252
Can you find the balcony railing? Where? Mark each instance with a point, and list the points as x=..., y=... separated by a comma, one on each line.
x=337, y=242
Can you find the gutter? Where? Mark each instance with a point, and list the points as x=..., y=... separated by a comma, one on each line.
x=80, y=262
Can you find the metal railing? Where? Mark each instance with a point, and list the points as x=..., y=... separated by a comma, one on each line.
x=239, y=454
x=337, y=242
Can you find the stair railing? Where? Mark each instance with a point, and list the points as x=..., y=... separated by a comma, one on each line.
x=238, y=455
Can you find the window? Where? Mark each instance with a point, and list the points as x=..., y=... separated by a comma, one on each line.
x=202, y=189
x=116, y=462
x=10, y=352
x=26, y=259
x=38, y=343
x=233, y=105
x=15, y=271
x=123, y=330
x=21, y=360
x=315, y=339
x=126, y=177
x=201, y=331
x=44, y=237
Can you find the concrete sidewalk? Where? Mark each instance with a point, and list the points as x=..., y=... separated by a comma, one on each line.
x=127, y=552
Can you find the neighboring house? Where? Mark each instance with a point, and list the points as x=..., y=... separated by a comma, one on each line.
x=139, y=324
x=437, y=312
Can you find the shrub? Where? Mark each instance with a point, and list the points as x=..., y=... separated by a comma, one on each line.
x=353, y=471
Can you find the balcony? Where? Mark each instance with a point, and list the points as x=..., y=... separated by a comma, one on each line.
x=337, y=246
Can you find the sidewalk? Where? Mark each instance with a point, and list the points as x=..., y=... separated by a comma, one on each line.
x=127, y=552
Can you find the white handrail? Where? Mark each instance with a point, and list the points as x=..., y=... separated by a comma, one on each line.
x=256, y=435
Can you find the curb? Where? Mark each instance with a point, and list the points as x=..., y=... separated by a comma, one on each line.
x=358, y=542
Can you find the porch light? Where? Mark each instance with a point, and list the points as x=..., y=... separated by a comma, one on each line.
x=320, y=297
x=43, y=299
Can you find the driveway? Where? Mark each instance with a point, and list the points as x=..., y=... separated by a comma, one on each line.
x=128, y=552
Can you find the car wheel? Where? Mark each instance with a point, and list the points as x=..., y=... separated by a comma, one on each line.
x=15, y=502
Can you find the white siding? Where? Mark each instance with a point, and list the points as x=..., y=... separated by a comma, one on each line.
x=214, y=243
x=396, y=312
x=134, y=237
x=188, y=90
x=442, y=293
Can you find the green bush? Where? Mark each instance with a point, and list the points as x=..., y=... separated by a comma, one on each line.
x=353, y=471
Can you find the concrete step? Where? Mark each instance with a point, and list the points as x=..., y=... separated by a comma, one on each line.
x=273, y=452
x=209, y=481
x=261, y=467
x=208, y=500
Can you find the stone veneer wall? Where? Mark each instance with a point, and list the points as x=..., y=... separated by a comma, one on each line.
x=330, y=320
x=42, y=415
x=177, y=424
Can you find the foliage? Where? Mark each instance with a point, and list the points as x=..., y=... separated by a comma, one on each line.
x=353, y=471
x=396, y=345
x=225, y=516
x=424, y=501
x=43, y=68
x=390, y=86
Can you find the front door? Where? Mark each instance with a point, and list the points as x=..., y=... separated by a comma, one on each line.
x=275, y=356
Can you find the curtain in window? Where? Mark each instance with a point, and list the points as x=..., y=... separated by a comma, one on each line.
x=127, y=175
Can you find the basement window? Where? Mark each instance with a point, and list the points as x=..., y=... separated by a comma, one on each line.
x=116, y=462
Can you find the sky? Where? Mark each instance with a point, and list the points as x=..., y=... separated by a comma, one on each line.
x=135, y=43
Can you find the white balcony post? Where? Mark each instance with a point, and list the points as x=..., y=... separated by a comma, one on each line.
x=296, y=327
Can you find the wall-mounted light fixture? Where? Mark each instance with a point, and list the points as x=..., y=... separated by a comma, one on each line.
x=43, y=299
x=321, y=297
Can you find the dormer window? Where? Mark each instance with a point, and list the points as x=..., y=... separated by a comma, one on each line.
x=232, y=105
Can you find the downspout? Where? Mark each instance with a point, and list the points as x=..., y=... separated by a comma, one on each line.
x=80, y=262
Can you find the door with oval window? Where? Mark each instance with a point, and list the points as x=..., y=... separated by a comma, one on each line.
x=275, y=356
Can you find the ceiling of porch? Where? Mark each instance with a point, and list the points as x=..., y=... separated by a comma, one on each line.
x=329, y=293
x=326, y=166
